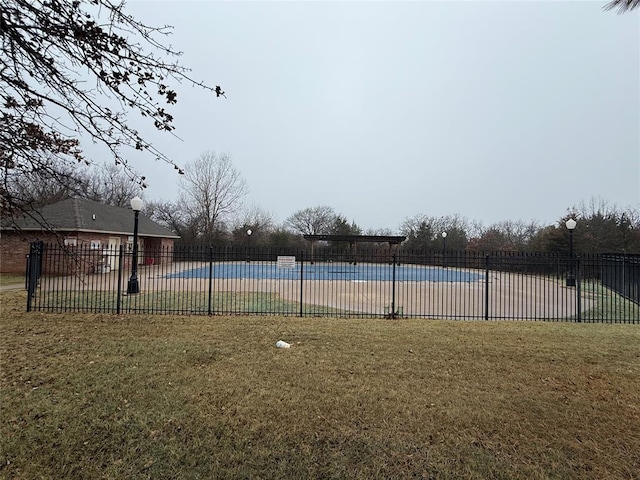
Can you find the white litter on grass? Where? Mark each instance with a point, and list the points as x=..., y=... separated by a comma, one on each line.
x=281, y=344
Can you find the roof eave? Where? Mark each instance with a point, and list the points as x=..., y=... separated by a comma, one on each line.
x=85, y=230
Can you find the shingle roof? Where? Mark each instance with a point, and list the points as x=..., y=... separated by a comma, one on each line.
x=80, y=215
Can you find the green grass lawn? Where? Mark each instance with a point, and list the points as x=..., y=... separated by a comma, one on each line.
x=608, y=305
x=11, y=279
x=167, y=301
x=181, y=397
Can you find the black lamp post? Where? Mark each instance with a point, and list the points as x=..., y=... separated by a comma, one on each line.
x=134, y=286
x=249, y=232
x=444, y=249
x=571, y=225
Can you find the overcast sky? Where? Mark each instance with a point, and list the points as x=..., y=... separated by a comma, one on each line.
x=384, y=110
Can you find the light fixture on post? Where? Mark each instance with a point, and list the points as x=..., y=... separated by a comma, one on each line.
x=571, y=225
x=444, y=249
x=249, y=232
x=134, y=286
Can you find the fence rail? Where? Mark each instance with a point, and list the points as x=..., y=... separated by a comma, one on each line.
x=377, y=283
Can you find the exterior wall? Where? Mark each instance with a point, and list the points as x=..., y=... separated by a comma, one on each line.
x=15, y=246
x=13, y=252
x=157, y=251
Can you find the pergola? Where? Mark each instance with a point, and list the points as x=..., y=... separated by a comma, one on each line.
x=392, y=240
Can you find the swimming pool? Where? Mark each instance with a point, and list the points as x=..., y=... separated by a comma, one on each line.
x=363, y=272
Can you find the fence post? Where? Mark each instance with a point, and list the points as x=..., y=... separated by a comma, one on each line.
x=120, y=262
x=35, y=269
x=392, y=313
x=210, y=278
x=301, y=280
x=625, y=291
x=578, y=291
x=26, y=273
x=486, y=287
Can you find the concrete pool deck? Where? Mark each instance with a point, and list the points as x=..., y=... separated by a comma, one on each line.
x=511, y=296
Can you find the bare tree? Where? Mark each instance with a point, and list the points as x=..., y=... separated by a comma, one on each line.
x=379, y=231
x=211, y=190
x=312, y=221
x=256, y=220
x=77, y=68
x=172, y=216
x=107, y=184
x=111, y=185
x=507, y=235
x=622, y=5
x=44, y=186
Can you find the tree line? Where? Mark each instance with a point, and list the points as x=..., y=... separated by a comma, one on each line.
x=210, y=210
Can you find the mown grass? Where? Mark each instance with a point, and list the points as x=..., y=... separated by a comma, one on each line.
x=11, y=279
x=608, y=305
x=140, y=396
x=166, y=301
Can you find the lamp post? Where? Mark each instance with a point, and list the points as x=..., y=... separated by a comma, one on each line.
x=444, y=249
x=133, y=286
x=571, y=225
x=249, y=232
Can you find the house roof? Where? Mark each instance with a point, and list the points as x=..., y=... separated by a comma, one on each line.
x=80, y=215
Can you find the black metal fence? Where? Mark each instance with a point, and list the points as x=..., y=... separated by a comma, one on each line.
x=621, y=273
x=377, y=283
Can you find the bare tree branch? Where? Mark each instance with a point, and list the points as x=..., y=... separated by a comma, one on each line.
x=622, y=5
x=52, y=52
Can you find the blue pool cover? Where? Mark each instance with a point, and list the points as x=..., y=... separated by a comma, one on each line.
x=331, y=271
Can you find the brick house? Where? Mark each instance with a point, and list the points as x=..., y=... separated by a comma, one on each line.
x=83, y=225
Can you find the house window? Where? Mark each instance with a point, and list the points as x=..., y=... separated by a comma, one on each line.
x=95, y=244
x=70, y=242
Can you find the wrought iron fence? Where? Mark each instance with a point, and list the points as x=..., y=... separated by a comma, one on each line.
x=378, y=283
x=621, y=273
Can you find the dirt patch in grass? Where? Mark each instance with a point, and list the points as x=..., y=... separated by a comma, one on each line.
x=106, y=396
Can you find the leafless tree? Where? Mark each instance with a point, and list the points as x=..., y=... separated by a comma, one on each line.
x=174, y=218
x=77, y=68
x=49, y=184
x=111, y=185
x=107, y=184
x=256, y=218
x=211, y=190
x=312, y=220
